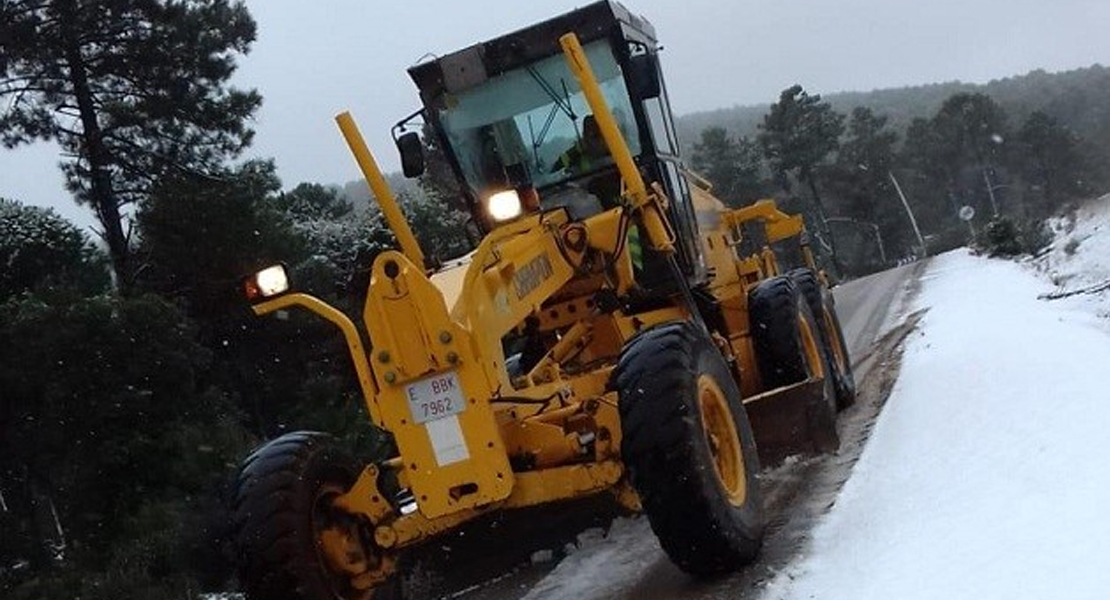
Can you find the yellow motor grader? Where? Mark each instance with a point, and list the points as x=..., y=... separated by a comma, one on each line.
x=617, y=331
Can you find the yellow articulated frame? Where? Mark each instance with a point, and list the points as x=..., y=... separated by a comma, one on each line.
x=604, y=233
x=455, y=459
x=533, y=488
x=514, y=270
x=510, y=276
x=779, y=225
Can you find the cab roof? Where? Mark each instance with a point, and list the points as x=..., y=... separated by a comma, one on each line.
x=475, y=64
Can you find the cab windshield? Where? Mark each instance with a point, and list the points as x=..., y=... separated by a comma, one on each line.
x=528, y=124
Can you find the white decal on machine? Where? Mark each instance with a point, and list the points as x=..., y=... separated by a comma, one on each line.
x=447, y=440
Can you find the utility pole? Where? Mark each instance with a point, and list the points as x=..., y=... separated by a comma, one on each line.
x=990, y=191
x=879, y=240
x=909, y=212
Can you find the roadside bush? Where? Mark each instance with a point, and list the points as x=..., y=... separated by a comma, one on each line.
x=1004, y=237
x=1071, y=246
x=1036, y=237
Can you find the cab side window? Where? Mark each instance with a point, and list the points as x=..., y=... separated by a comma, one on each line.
x=661, y=127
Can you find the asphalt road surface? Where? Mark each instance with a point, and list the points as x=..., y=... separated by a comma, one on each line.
x=863, y=305
x=625, y=561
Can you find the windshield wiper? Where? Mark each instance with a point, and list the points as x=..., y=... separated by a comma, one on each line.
x=562, y=103
x=537, y=142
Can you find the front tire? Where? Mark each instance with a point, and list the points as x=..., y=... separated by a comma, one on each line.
x=291, y=542
x=689, y=449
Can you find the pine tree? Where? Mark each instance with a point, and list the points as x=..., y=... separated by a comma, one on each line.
x=42, y=251
x=1049, y=160
x=973, y=128
x=860, y=181
x=130, y=89
x=314, y=201
x=957, y=154
x=864, y=161
x=797, y=134
x=732, y=165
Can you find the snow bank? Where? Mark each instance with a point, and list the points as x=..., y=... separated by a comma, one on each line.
x=985, y=476
x=1080, y=256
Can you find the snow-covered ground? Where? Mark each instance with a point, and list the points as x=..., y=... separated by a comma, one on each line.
x=1079, y=263
x=986, y=475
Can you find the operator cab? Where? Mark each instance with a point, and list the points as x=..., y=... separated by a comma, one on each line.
x=518, y=133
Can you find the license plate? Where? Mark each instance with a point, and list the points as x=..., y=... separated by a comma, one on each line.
x=435, y=397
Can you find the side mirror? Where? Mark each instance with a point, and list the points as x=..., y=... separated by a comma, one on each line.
x=643, y=73
x=412, y=154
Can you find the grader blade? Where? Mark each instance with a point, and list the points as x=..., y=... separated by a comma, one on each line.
x=780, y=420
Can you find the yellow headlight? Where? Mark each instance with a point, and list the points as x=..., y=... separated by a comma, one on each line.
x=504, y=205
x=268, y=282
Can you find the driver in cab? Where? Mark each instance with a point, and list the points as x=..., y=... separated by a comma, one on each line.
x=587, y=153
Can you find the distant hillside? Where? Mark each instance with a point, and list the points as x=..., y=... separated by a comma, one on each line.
x=1079, y=98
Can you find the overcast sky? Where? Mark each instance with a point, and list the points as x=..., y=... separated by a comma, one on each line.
x=314, y=59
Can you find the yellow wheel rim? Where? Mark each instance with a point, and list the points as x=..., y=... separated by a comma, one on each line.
x=351, y=571
x=811, y=349
x=836, y=344
x=723, y=440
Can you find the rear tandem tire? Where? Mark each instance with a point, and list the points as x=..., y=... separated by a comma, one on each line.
x=278, y=498
x=823, y=306
x=845, y=378
x=788, y=351
x=689, y=449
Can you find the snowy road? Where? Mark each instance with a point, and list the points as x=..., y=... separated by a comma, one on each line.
x=628, y=563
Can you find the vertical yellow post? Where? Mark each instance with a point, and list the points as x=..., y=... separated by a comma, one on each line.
x=622, y=156
x=392, y=212
x=657, y=228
